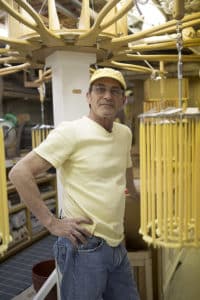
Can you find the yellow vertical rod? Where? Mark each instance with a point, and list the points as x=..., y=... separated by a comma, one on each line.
x=43, y=134
x=148, y=174
x=176, y=187
x=40, y=135
x=170, y=179
x=4, y=213
x=36, y=137
x=195, y=184
x=186, y=177
x=164, y=142
x=197, y=189
x=32, y=137
x=143, y=176
x=146, y=198
x=198, y=176
x=193, y=172
x=190, y=217
x=180, y=183
x=152, y=138
x=166, y=180
x=184, y=183
x=162, y=83
x=159, y=175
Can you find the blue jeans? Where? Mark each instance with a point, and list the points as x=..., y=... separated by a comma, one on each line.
x=94, y=271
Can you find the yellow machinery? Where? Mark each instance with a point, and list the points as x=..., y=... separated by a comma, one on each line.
x=39, y=133
x=170, y=172
x=4, y=214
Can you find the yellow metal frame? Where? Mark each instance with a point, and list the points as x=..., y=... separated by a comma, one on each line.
x=39, y=133
x=31, y=40
x=5, y=237
x=170, y=170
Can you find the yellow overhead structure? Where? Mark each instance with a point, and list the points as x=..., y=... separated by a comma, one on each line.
x=170, y=172
x=32, y=37
x=4, y=214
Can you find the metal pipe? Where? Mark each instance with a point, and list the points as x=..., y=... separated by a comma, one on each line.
x=180, y=63
x=178, y=12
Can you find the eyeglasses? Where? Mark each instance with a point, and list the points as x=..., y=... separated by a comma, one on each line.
x=101, y=90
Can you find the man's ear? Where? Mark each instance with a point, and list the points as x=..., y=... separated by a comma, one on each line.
x=88, y=97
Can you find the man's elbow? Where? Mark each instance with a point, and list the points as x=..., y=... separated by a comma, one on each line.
x=12, y=175
x=17, y=173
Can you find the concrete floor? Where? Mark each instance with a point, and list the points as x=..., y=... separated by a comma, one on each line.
x=185, y=283
x=28, y=294
x=16, y=271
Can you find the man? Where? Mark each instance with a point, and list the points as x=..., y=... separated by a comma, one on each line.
x=92, y=155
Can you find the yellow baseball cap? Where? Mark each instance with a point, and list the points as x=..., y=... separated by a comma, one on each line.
x=110, y=73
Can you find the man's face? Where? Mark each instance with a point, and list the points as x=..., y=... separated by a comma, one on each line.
x=106, y=98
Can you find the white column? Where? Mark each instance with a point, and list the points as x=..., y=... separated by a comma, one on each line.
x=70, y=81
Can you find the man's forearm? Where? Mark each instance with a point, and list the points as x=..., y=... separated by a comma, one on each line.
x=28, y=190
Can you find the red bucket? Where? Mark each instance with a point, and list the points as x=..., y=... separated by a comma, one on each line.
x=40, y=272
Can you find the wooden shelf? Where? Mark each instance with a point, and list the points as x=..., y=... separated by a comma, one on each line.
x=16, y=208
x=39, y=234
x=48, y=179
x=15, y=248
x=46, y=195
x=16, y=244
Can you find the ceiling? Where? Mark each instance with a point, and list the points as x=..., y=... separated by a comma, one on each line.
x=134, y=51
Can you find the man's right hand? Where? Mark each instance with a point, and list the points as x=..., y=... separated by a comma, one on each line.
x=70, y=228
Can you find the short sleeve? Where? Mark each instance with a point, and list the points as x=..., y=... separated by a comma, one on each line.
x=59, y=144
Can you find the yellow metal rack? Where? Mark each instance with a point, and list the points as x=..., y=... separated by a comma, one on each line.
x=170, y=172
x=39, y=133
x=4, y=214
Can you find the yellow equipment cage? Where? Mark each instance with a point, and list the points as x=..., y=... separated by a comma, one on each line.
x=5, y=237
x=170, y=170
x=39, y=134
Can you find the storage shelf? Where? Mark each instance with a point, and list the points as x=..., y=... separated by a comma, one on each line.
x=16, y=208
x=47, y=195
x=16, y=244
x=39, y=234
x=15, y=248
x=45, y=180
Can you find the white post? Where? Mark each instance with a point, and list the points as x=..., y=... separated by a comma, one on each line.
x=70, y=79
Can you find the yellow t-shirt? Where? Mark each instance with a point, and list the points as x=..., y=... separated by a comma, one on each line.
x=92, y=165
